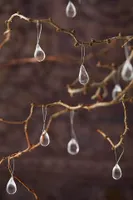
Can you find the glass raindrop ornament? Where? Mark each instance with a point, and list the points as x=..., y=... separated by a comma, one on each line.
x=71, y=10
x=127, y=71
x=11, y=187
x=116, y=91
x=44, y=139
x=83, y=75
x=73, y=147
x=39, y=54
x=116, y=172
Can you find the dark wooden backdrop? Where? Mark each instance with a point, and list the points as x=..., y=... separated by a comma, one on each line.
x=50, y=171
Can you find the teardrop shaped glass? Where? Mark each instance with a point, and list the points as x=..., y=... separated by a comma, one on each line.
x=83, y=75
x=11, y=187
x=73, y=147
x=127, y=71
x=115, y=91
x=116, y=172
x=39, y=54
x=71, y=10
x=44, y=139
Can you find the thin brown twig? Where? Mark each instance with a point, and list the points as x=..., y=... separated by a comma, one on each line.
x=11, y=122
x=107, y=138
x=71, y=33
x=120, y=142
x=125, y=126
x=55, y=115
x=103, y=84
x=61, y=59
x=26, y=126
x=30, y=190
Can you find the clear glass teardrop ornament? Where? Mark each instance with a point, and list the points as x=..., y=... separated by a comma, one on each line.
x=44, y=139
x=127, y=71
x=73, y=147
x=115, y=91
x=11, y=187
x=39, y=54
x=83, y=75
x=116, y=172
x=71, y=10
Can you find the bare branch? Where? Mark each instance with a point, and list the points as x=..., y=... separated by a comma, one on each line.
x=29, y=190
x=71, y=33
x=114, y=146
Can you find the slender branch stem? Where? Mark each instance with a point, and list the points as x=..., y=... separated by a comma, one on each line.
x=120, y=142
x=26, y=125
x=29, y=190
x=57, y=28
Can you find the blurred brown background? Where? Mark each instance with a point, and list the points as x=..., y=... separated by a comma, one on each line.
x=50, y=171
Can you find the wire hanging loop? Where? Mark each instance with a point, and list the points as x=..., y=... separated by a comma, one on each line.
x=73, y=134
x=116, y=158
x=44, y=115
x=39, y=30
x=82, y=53
x=11, y=168
x=126, y=51
x=118, y=76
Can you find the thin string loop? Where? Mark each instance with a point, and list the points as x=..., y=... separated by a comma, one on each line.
x=11, y=168
x=126, y=51
x=39, y=30
x=82, y=53
x=44, y=115
x=115, y=153
x=73, y=134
